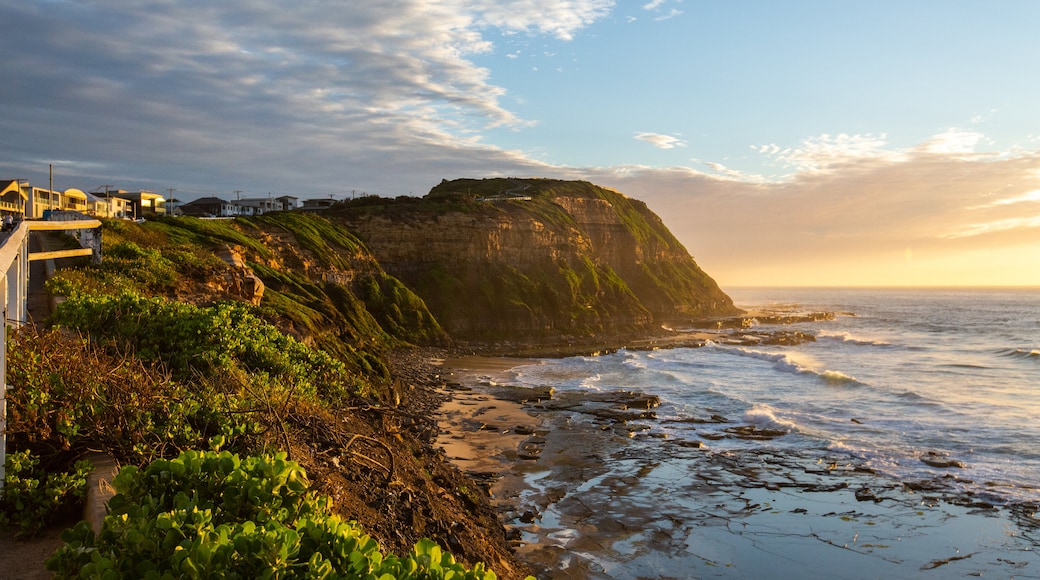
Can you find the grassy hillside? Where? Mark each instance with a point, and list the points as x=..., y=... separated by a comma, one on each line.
x=506, y=259
x=157, y=354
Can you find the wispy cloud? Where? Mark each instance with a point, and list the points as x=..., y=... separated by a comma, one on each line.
x=826, y=152
x=952, y=141
x=848, y=214
x=656, y=5
x=661, y=141
x=1003, y=225
x=278, y=90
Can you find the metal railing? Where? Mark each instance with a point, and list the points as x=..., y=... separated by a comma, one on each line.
x=14, y=290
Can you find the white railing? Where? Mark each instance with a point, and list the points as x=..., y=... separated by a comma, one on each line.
x=14, y=290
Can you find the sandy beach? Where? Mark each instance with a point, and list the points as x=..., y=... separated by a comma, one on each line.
x=588, y=490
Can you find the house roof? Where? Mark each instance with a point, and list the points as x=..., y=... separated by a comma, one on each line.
x=207, y=201
x=10, y=185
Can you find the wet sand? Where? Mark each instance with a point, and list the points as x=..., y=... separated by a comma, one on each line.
x=590, y=490
x=480, y=433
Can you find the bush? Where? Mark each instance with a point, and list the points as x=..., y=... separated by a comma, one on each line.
x=33, y=498
x=216, y=515
x=191, y=340
x=68, y=396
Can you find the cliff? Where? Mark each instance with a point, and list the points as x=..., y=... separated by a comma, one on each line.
x=508, y=259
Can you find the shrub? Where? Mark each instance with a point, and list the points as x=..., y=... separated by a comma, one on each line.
x=193, y=340
x=216, y=515
x=68, y=395
x=33, y=498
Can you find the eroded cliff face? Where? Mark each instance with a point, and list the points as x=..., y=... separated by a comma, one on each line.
x=505, y=259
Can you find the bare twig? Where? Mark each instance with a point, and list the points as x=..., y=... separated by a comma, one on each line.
x=372, y=462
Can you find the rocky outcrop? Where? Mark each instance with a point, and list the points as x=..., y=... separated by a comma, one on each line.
x=506, y=259
x=239, y=283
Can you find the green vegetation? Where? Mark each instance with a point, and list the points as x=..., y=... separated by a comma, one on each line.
x=224, y=337
x=35, y=498
x=601, y=263
x=148, y=359
x=167, y=357
x=208, y=515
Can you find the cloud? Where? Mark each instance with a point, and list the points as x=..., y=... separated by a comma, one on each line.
x=1015, y=223
x=661, y=141
x=305, y=96
x=849, y=213
x=1028, y=197
x=952, y=141
x=266, y=94
x=560, y=18
x=827, y=152
x=655, y=6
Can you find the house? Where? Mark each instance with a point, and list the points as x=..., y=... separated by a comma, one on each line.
x=142, y=203
x=110, y=206
x=317, y=204
x=41, y=200
x=286, y=203
x=209, y=207
x=13, y=196
x=256, y=205
x=75, y=200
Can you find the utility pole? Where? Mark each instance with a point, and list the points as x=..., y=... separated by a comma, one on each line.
x=171, y=190
x=107, y=199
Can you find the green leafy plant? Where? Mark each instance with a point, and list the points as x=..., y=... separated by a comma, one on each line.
x=218, y=515
x=33, y=498
x=190, y=339
x=68, y=395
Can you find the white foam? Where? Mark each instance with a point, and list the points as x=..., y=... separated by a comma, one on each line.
x=791, y=364
x=850, y=338
x=765, y=416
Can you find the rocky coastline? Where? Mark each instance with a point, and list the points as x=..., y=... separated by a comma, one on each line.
x=570, y=476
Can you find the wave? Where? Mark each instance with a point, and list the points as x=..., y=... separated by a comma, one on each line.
x=633, y=361
x=763, y=416
x=785, y=363
x=849, y=338
x=1021, y=353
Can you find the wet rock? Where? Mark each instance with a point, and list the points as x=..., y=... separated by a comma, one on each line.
x=753, y=433
x=941, y=461
x=531, y=448
x=528, y=517
x=617, y=416
x=700, y=421
x=690, y=444
x=864, y=494
x=523, y=394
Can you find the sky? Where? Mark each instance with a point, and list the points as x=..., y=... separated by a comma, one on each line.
x=785, y=143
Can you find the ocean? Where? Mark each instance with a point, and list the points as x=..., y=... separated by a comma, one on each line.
x=905, y=398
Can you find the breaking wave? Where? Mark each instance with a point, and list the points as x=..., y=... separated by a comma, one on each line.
x=1022, y=353
x=786, y=363
x=849, y=338
x=763, y=416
